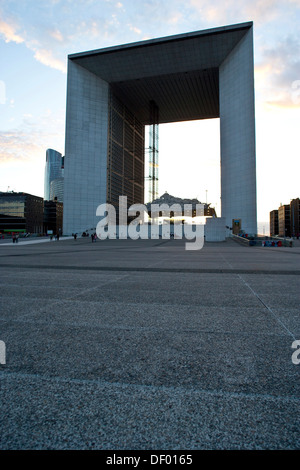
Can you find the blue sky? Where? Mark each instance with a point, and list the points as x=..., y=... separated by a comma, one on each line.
x=37, y=35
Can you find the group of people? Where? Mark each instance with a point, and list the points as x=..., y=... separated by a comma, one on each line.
x=56, y=236
x=15, y=237
x=93, y=236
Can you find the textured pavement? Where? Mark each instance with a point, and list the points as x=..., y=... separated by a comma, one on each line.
x=142, y=345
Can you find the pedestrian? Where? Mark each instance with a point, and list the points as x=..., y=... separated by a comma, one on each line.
x=13, y=237
x=92, y=235
x=95, y=236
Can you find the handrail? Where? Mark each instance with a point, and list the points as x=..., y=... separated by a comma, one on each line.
x=262, y=241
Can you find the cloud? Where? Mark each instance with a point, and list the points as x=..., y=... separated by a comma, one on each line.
x=46, y=57
x=57, y=35
x=229, y=11
x=262, y=12
x=52, y=30
x=135, y=29
x=278, y=74
x=31, y=138
x=9, y=32
x=93, y=32
x=16, y=145
x=175, y=18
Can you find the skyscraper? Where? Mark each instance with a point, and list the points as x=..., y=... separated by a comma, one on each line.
x=53, y=170
x=57, y=190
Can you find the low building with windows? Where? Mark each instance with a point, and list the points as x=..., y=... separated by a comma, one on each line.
x=53, y=217
x=21, y=212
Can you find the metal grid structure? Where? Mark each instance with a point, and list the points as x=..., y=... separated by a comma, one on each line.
x=153, y=152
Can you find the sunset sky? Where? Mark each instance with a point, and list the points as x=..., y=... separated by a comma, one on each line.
x=36, y=37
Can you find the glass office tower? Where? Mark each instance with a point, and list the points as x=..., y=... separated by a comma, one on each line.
x=53, y=170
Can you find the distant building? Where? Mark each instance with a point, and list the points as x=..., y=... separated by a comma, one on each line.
x=57, y=190
x=284, y=220
x=53, y=217
x=274, y=230
x=54, y=170
x=166, y=198
x=295, y=217
x=21, y=212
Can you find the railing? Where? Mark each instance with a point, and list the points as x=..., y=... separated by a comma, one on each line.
x=263, y=241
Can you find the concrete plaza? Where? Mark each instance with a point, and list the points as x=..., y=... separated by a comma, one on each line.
x=142, y=345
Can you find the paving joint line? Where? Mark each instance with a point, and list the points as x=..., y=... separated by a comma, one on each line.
x=145, y=387
x=160, y=270
x=261, y=301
